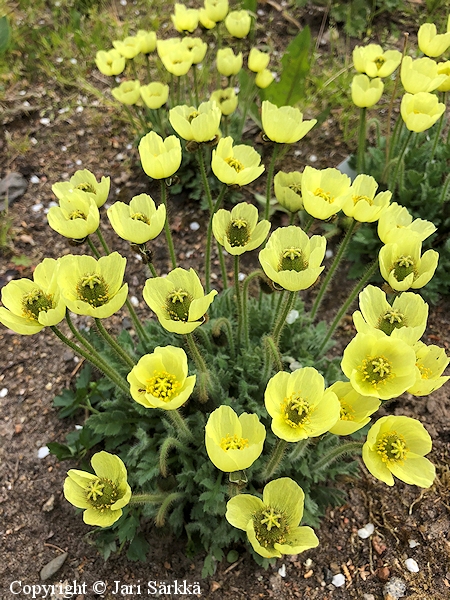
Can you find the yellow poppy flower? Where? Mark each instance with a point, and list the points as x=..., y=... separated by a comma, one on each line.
x=374, y=62
x=364, y=204
x=238, y=231
x=420, y=75
x=324, y=191
x=272, y=524
x=85, y=182
x=264, y=78
x=160, y=379
x=201, y=125
x=76, y=217
x=196, y=47
x=430, y=42
x=238, y=23
x=444, y=69
x=93, y=287
x=396, y=219
x=284, y=125
x=160, y=158
x=154, y=94
x=431, y=362
x=147, y=41
x=396, y=446
x=299, y=405
x=292, y=259
x=178, y=60
x=204, y=19
x=110, y=62
x=420, y=111
x=226, y=100
x=257, y=60
x=366, y=92
x=355, y=408
x=185, y=19
x=102, y=495
x=378, y=365
x=178, y=300
x=235, y=165
x=128, y=92
x=139, y=221
x=129, y=47
x=29, y=306
x=233, y=443
x=228, y=63
x=288, y=190
x=216, y=9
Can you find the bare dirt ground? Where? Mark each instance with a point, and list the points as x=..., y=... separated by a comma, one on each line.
x=38, y=525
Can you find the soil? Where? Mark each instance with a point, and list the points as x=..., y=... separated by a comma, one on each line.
x=38, y=525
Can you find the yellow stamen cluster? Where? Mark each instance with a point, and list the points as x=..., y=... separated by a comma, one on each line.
x=295, y=411
x=392, y=319
x=140, y=217
x=238, y=233
x=194, y=113
x=292, y=259
x=347, y=412
x=233, y=442
x=162, y=385
x=93, y=289
x=379, y=61
x=402, y=267
x=235, y=163
x=77, y=214
x=177, y=305
x=102, y=493
x=35, y=302
x=425, y=372
x=376, y=370
x=357, y=199
x=271, y=526
x=295, y=187
x=325, y=195
x=392, y=447
x=86, y=187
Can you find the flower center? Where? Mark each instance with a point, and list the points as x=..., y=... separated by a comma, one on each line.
x=233, y=442
x=295, y=411
x=101, y=493
x=84, y=186
x=162, y=385
x=325, y=195
x=141, y=217
x=379, y=61
x=177, y=305
x=402, y=267
x=357, y=199
x=425, y=372
x=376, y=370
x=392, y=319
x=391, y=446
x=238, y=233
x=77, y=214
x=93, y=289
x=292, y=259
x=295, y=187
x=271, y=526
x=235, y=163
x=347, y=412
x=193, y=114
x=35, y=302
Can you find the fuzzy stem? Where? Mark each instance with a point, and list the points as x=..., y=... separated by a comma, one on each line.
x=438, y=132
x=299, y=450
x=160, y=518
x=393, y=183
x=131, y=118
x=201, y=164
x=152, y=270
x=330, y=457
x=351, y=298
x=180, y=425
x=147, y=498
x=209, y=240
x=360, y=157
x=274, y=460
x=166, y=225
x=269, y=181
x=94, y=360
x=114, y=345
x=166, y=447
x=102, y=241
x=247, y=281
x=138, y=325
x=340, y=253
x=309, y=221
x=201, y=367
x=273, y=350
x=278, y=328
x=217, y=328
x=237, y=291
x=94, y=250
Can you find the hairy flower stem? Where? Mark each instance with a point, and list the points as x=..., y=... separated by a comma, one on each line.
x=273, y=463
x=202, y=369
x=152, y=270
x=281, y=317
x=237, y=292
x=114, y=345
x=94, y=250
x=276, y=149
x=168, y=444
x=299, y=450
x=258, y=273
x=438, y=132
x=160, y=518
x=337, y=259
x=330, y=457
x=360, y=157
x=180, y=425
x=351, y=298
x=147, y=498
x=101, y=365
x=393, y=183
x=309, y=221
x=224, y=324
x=209, y=241
x=204, y=176
x=273, y=352
x=166, y=225
x=194, y=72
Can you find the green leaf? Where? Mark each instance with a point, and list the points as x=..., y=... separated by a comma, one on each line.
x=5, y=34
x=138, y=548
x=296, y=65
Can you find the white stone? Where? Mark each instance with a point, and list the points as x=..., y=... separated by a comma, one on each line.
x=44, y=121
x=35, y=179
x=292, y=316
x=338, y=580
x=329, y=253
x=43, y=452
x=411, y=565
x=295, y=365
x=313, y=158
x=241, y=276
x=37, y=207
x=3, y=392
x=413, y=543
x=134, y=301
x=194, y=226
x=366, y=531
x=282, y=570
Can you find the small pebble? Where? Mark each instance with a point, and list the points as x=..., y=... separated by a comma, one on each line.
x=44, y=121
x=78, y=162
x=241, y=276
x=313, y=158
x=59, y=59
x=79, y=109
x=282, y=570
x=194, y=226
x=295, y=365
x=73, y=61
x=338, y=580
x=292, y=316
x=37, y=207
x=3, y=392
x=329, y=253
x=78, y=427
x=411, y=565
x=413, y=543
x=35, y=179
x=64, y=148
x=134, y=301
x=43, y=452
x=395, y=588
x=366, y=531
x=123, y=2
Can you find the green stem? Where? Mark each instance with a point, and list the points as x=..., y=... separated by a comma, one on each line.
x=102, y=241
x=180, y=425
x=281, y=322
x=114, y=345
x=393, y=183
x=160, y=518
x=273, y=349
x=247, y=281
x=309, y=221
x=237, y=291
x=194, y=71
x=152, y=270
x=209, y=240
x=99, y=364
x=147, y=498
x=217, y=328
x=340, y=253
x=351, y=298
x=94, y=250
x=391, y=106
x=166, y=447
x=360, y=159
x=330, y=457
x=269, y=180
x=201, y=366
x=166, y=225
x=204, y=176
x=274, y=461
x=438, y=133
x=138, y=325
